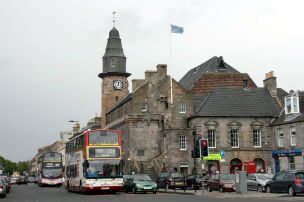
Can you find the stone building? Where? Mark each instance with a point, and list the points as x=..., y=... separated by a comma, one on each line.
x=214, y=99
x=288, y=132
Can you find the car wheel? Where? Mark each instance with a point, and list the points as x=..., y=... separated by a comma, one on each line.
x=291, y=191
x=260, y=188
x=154, y=192
x=268, y=190
x=209, y=189
x=221, y=189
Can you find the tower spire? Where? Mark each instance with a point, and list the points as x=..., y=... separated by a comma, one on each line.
x=113, y=13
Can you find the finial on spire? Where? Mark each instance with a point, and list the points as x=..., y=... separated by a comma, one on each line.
x=113, y=13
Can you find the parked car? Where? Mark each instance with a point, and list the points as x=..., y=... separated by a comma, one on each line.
x=291, y=182
x=7, y=183
x=221, y=182
x=140, y=183
x=32, y=180
x=13, y=180
x=162, y=180
x=194, y=181
x=22, y=180
x=2, y=188
x=172, y=180
x=257, y=181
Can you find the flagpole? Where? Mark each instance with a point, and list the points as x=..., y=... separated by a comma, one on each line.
x=170, y=65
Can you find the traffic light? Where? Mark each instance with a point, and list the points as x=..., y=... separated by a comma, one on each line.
x=203, y=147
x=196, y=152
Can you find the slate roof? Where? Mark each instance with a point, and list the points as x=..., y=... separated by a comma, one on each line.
x=289, y=118
x=239, y=102
x=212, y=65
x=281, y=94
x=281, y=120
x=198, y=100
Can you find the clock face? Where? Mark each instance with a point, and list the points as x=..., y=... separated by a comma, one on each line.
x=117, y=85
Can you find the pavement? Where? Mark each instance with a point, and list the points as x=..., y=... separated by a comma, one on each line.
x=216, y=194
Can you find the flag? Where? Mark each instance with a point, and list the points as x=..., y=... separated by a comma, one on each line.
x=176, y=29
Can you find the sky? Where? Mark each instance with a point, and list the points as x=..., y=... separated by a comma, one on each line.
x=51, y=53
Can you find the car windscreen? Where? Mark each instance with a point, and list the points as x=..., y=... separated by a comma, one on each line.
x=227, y=177
x=300, y=175
x=103, y=137
x=264, y=177
x=141, y=178
x=177, y=175
x=52, y=173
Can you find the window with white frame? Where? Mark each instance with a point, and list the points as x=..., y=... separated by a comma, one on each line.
x=257, y=138
x=144, y=107
x=182, y=142
x=234, y=138
x=293, y=136
x=291, y=105
x=182, y=109
x=280, y=137
x=211, y=139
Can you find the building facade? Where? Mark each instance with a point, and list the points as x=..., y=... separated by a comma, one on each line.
x=213, y=101
x=288, y=132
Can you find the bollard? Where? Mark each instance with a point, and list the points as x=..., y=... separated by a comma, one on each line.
x=185, y=185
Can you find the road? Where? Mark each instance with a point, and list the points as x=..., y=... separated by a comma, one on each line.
x=33, y=193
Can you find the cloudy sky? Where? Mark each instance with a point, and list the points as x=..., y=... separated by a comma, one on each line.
x=51, y=53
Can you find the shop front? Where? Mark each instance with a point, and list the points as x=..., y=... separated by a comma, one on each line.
x=213, y=163
x=288, y=155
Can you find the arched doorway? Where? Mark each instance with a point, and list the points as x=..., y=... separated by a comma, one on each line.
x=260, y=165
x=235, y=165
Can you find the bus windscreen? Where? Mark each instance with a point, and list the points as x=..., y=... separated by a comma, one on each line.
x=101, y=152
x=52, y=156
x=103, y=137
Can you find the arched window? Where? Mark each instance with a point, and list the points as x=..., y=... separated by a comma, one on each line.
x=235, y=165
x=260, y=165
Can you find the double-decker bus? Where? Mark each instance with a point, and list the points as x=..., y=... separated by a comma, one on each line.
x=93, y=161
x=50, y=169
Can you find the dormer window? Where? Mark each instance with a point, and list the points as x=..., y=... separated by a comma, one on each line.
x=221, y=65
x=291, y=105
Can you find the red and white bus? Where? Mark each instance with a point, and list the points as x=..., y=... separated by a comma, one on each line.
x=50, y=169
x=93, y=161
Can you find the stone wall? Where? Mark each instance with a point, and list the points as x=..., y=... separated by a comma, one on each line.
x=246, y=151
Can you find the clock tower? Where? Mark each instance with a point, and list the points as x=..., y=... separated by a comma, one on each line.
x=115, y=84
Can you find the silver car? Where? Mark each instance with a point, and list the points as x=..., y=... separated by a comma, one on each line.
x=2, y=188
x=257, y=181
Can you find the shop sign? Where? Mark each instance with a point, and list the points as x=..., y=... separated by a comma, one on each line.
x=287, y=153
x=213, y=157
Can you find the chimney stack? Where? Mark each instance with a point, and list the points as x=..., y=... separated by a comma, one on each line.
x=270, y=83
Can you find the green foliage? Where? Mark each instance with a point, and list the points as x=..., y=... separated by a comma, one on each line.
x=10, y=167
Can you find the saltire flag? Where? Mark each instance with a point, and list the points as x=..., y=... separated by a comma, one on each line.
x=176, y=29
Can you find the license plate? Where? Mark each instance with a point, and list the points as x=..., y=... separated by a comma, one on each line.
x=105, y=188
x=147, y=187
x=179, y=183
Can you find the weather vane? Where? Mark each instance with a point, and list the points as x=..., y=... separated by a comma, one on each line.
x=113, y=13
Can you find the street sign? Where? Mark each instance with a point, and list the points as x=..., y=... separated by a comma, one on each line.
x=222, y=153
